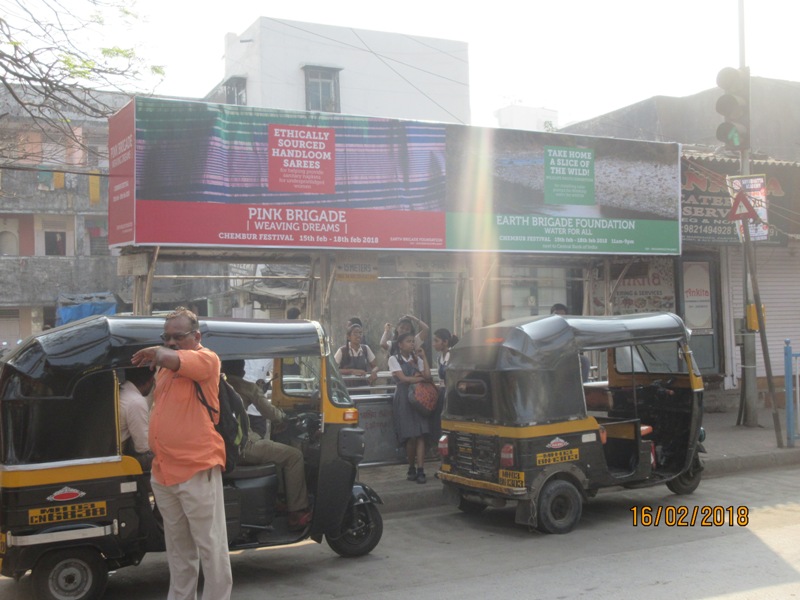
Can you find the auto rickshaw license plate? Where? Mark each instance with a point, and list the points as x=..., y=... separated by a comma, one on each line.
x=68, y=512
x=512, y=478
x=559, y=456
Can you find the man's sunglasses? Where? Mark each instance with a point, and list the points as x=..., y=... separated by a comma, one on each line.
x=176, y=336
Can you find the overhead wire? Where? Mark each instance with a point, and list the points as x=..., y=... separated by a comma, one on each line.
x=370, y=51
x=434, y=48
x=401, y=76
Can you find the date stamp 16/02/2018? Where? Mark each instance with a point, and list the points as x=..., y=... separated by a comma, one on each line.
x=690, y=516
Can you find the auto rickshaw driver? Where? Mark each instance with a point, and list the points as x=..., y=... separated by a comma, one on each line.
x=260, y=450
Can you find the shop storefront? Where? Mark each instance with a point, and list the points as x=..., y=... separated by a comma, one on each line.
x=713, y=253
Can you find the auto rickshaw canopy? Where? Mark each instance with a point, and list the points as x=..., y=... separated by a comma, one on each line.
x=56, y=358
x=543, y=342
x=58, y=389
x=526, y=371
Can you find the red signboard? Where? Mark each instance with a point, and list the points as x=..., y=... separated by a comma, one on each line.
x=249, y=225
x=121, y=171
x=302, y=159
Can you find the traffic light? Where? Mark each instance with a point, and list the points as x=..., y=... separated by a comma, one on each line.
x=734, y=105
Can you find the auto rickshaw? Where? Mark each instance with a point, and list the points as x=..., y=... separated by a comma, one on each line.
x=73, y=507
x=520, y=425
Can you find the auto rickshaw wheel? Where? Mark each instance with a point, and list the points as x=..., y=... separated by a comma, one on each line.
x=560, y=507
x=687, y=482
x=470, y=507
x=70, y=574
x=361, y=531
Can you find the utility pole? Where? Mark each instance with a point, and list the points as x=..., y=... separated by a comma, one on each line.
x=749, y=381
x=734, y=132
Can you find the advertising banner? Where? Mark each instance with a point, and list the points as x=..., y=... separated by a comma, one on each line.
x=755, y=190
x=706, y=202
x=121, y=189
x=237, y=176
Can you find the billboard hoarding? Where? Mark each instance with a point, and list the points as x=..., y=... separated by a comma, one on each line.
x=122, y=185
x=236, y=176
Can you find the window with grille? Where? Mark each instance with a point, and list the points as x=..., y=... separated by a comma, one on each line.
x=235, y=89
x=322, y=89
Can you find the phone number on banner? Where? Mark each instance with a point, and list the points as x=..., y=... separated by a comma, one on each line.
x=690, y=516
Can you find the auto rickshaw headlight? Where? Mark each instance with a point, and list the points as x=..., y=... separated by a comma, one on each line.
x=702, y=437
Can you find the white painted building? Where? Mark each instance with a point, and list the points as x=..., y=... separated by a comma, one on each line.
x=306, y=66
x=528, y=118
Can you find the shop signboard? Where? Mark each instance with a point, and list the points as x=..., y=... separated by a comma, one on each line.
x=190, y=173
x=649, y=288
x=358, y=267
x=697, y=295
x=707, y=198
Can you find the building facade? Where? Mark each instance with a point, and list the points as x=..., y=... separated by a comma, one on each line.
x=307, y=66
x=54, y=223
x=53, y=217
x=709, y=237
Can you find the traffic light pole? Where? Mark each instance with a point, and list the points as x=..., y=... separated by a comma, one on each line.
x=748, y=339
x=748, y=413
x=750, y=262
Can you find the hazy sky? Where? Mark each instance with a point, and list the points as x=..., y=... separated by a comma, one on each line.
x=581, y=58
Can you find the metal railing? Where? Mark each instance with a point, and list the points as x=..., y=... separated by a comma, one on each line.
x=374, y=403
x=791, y=378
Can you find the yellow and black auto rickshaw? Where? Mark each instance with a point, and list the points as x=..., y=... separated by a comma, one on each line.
x=520, y=424
x=72, y=506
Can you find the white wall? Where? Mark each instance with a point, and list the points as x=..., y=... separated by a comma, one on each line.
x=526, y=117
x=382, y=74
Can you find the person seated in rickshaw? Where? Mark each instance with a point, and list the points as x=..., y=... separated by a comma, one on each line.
x=134, y=414
x=260, y=450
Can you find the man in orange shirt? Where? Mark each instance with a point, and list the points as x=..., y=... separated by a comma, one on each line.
x=189, y=458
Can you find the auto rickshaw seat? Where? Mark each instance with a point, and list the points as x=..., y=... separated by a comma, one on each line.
x=620, y=428
x=251, y=472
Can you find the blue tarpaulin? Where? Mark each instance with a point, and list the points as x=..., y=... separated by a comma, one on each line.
x=73, y=307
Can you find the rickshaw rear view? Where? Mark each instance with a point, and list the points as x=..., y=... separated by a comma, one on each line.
x=521, y=426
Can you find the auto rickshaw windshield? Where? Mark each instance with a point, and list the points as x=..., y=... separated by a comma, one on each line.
x=659, y=357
